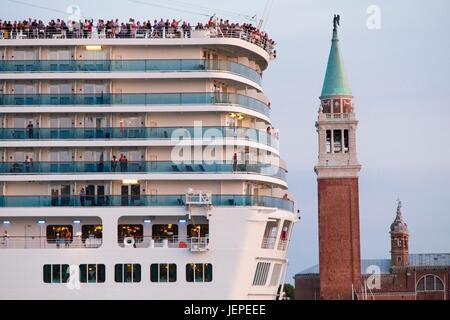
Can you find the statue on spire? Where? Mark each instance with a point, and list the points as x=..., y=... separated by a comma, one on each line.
x=336, y=21
x=399, y=206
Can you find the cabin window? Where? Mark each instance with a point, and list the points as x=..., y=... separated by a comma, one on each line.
x=56, y=273
x=199, y=272
x=127, y=272
x=92, y=273
x=163, y=272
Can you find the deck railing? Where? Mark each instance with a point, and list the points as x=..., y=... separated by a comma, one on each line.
x=117, y=167
x=175, y=133
x=144, y=99
x=142, y=33
x=40, y=242
x=219, y=200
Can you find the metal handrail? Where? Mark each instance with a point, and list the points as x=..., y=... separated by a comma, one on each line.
x=41, y=242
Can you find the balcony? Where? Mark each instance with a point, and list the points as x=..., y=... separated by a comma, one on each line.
x=146, y=99
x=179, y=65
x=83, y=167
x=218, y=200
x=138, y=133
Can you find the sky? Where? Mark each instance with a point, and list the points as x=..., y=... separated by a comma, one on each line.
x=399, y=75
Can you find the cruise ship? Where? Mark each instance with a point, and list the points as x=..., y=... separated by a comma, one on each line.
x=139, y=164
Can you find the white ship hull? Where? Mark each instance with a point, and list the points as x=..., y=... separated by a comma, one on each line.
x=234, y=250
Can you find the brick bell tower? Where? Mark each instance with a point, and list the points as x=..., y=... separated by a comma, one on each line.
x=337, y=176
x=399, y=240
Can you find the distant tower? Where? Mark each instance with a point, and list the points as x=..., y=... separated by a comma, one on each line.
x=399, y=240
x=337, y=176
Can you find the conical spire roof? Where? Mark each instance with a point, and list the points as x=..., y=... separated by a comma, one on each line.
x=335, y=83
x=399, y=225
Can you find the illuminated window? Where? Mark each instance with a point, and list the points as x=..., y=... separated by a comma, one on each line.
x=59, y=232
x=92, y=273
x=199, y=272
x=197, y=230
x=135, y=231
x=127, y=272
x=163, y=272
x=91, y=231
x=164, y=230
x=56, y=273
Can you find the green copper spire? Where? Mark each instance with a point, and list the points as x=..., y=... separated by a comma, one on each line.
x=335, y=82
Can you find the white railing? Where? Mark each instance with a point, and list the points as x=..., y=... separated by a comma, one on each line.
x=268, y=242
x=282, y=245
x=336, y=116
x=36, y=242
x=192, y=243
x=198, y=198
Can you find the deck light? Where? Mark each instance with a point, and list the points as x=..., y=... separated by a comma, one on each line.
x=129, y=181
x=147, y=221
x=41, y=222
x=6, y=222
x=182, y=221
x=76, y=221
x=94, y=48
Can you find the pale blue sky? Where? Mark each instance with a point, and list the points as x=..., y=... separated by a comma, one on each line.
x=399, y=76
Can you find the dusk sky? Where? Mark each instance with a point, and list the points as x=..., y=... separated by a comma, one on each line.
x=400, y=79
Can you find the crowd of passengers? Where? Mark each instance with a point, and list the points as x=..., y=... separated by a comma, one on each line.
x=58, y=28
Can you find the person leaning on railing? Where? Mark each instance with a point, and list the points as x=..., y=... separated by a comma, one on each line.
x=112, y=28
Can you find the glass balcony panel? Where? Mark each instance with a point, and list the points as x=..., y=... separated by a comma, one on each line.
x=175, y=65
x=138, y=167
x=135, y=99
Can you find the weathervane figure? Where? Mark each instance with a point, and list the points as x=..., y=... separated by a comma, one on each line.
x=336, y=21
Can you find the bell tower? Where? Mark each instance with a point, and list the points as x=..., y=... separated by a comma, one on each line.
x=337, y=177
x=399, y=240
